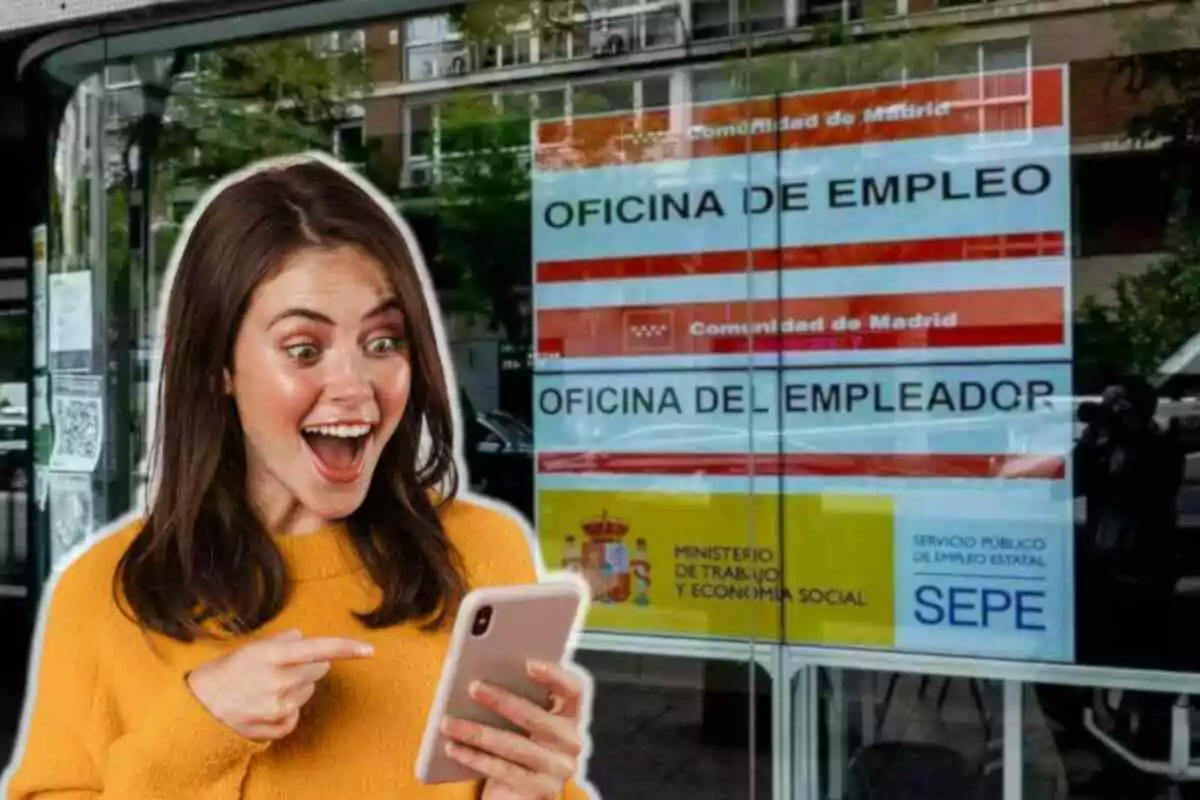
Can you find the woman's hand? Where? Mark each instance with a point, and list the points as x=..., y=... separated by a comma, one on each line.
x=258, y=690
x=530, y=766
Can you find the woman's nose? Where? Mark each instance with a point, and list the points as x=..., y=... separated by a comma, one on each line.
x=348, y=379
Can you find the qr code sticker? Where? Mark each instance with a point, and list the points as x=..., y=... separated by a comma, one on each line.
x=77, y=433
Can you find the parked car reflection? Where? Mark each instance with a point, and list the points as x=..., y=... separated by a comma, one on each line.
x=499, y=454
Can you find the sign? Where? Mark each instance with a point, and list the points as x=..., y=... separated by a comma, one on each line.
x=71, y=321
x=803, y=366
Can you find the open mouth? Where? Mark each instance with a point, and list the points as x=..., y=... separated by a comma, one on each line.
x=338, y=449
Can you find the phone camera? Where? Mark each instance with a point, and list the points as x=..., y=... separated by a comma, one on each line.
x=483, y=621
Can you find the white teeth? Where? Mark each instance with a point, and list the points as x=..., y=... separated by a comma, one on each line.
x=343, y=431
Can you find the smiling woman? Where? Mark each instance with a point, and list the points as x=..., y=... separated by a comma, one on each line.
x=305, y=483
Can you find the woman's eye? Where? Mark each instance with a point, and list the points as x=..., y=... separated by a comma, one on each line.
x=302, y=352
x=385, y=344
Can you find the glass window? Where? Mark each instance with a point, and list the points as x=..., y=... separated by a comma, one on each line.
x=420, y=129
x=958, y=59
x=427, y=29
x=351, y=144
x=855, y=366
x=555, y=44
x=590, y=98
x=714, y=84
x=656, y=92
x=551, y=103
x=934, y=734
x=761, y=16
x=424, y=62
x=711, y=19
x=662, y=28
x=520, y=49
x=1004, y=55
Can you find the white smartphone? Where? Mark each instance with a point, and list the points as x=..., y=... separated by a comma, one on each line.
x=496, y=631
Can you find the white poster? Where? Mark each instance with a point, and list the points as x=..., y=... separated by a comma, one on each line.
x=71, y=311
x=72, y=518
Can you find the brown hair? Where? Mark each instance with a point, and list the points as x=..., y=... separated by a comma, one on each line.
x=203, y=555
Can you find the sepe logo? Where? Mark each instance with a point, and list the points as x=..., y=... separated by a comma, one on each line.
x=649, y=330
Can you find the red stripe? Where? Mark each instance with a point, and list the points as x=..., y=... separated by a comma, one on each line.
x=1017, y=101
x=877, y=465
x=994, y=336
x=822, y=256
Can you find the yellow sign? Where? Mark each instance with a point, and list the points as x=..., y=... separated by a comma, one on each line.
x=814, y=568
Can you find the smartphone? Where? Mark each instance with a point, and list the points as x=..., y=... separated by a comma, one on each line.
x=497, y=629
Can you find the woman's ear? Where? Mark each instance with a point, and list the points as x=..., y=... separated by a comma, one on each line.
x=227, y=380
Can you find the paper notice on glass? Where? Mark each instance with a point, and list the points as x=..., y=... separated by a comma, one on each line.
x=71, y=311
x=40, y=287
x=77, y=411
x=72, y=518
x=43, y=437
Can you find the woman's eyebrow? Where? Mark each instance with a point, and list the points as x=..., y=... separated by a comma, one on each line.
x=305, y=313
x=390, y=304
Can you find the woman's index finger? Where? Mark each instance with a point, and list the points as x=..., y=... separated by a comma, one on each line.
x=320, y=648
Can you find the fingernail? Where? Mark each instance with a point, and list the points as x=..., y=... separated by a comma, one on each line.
x=534, y=666
x=476, y=688
x=366, y=650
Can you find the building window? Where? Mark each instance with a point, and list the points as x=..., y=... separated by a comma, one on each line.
x=433, y=49
x=720, y=19
x=617, y=27
x=595, y=98
x=347, y=41
x=349, y=144
x=421, y=131
x=656, y=92
x=975, y=57
x=710, y=85
x=660, y=29
x=429, y=140
x=554, y=45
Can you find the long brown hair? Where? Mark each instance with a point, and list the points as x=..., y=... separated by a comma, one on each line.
x=203, y=555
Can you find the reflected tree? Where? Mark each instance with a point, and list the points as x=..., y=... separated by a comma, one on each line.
x=483, y=210
x=1154, y=311
x=258, y=100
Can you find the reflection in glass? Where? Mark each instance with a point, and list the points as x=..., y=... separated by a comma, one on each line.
x=911, y=735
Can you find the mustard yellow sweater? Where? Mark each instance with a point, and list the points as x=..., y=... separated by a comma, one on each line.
x=112, y=716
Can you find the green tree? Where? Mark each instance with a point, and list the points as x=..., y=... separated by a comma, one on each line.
x=1153, y=312
x=205, y=114
x=252, y=101
x=483, y=210
x=838, y=55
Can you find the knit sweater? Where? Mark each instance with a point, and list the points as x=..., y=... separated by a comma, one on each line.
x=112, y=716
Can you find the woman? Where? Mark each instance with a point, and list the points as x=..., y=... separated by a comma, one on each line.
x=275, y=624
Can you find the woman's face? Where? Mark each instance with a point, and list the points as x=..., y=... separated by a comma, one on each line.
x=321, y=377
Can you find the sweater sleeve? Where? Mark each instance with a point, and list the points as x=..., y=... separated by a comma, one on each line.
x=70, y=749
